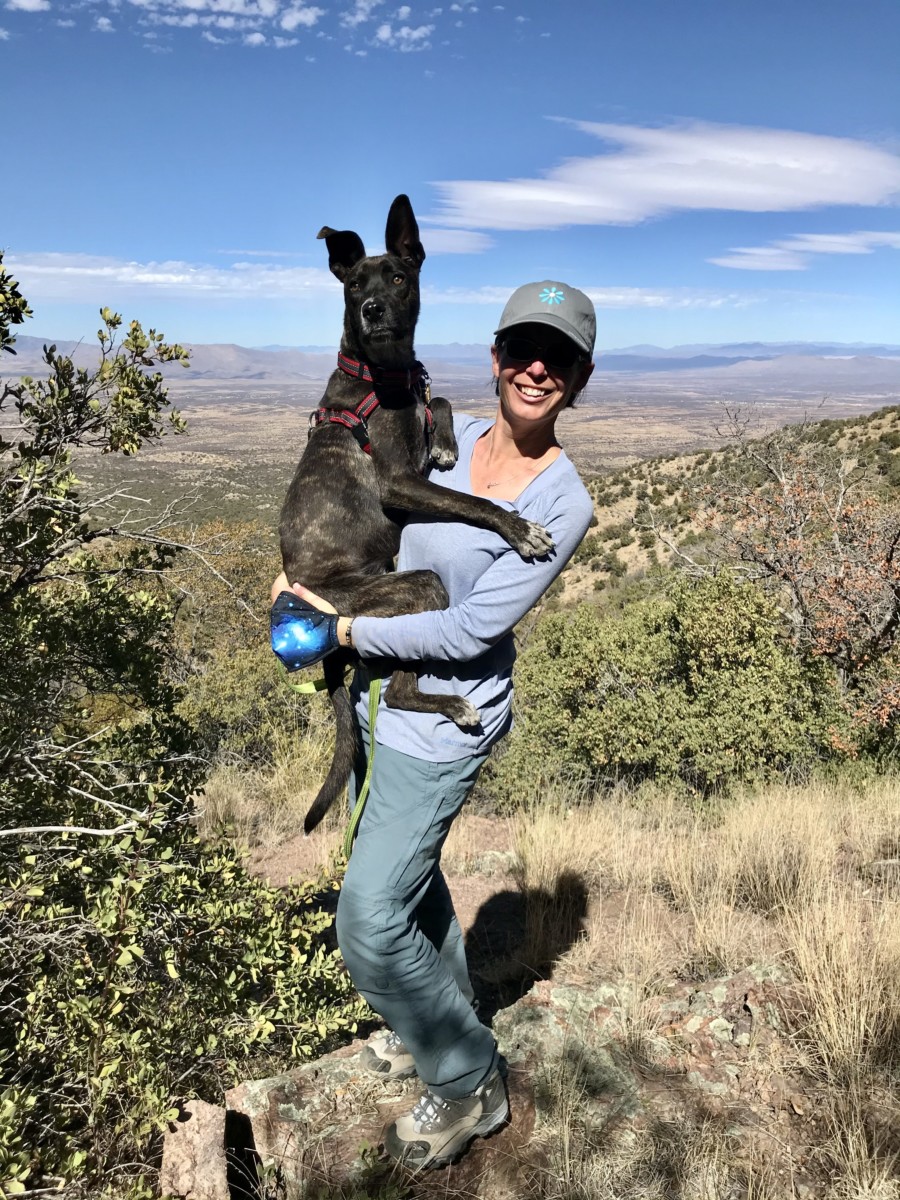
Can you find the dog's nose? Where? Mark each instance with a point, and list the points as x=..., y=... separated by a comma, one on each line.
x=373, y=310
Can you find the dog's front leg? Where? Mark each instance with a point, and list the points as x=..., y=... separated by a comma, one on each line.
x=444, y=450
x=414, y=494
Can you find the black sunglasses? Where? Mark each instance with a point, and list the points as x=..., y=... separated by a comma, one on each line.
x=562, y=355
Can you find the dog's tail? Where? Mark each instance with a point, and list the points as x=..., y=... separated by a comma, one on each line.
x=347, y=742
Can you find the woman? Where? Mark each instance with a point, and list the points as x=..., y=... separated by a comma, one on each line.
x=395, y=922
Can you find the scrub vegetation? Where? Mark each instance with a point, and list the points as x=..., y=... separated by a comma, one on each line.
x=706, y=738
x=141, y=962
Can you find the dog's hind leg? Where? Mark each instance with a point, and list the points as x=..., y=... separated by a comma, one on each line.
x=403, y=692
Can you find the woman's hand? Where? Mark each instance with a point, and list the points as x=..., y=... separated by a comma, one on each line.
x=311, y=598
x=281, y=585
x=339, y=629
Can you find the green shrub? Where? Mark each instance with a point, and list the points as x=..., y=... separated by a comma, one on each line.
x=589, y=548
x=148, y=969
x=613, y=565
x=696, y=686
x=140, y=965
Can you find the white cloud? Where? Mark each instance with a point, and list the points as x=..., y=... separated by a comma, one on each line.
x=51, y=276
x=276, y=20
x=254, y=39
x=307, y=16
x=861, y=242
x=225, y=14
x=761, y=258
x=684, y=167
x=66, y=23
x=455, y=241
x=404, y=38
x=603, y=297
x=4, y=35
x=360, y=13
x=211, y=37
x=796, y=253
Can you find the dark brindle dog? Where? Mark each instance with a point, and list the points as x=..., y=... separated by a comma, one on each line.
x=363, y=468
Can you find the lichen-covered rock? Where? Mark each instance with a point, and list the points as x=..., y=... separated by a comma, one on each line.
x=619, y=1061
x=319, y=1128
x=194, y=1164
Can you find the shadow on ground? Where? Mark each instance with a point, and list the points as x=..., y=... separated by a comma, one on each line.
x=518, y=937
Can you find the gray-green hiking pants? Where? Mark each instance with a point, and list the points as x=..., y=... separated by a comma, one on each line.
x=396, y=926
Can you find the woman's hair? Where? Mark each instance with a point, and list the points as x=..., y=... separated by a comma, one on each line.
x=570, y=403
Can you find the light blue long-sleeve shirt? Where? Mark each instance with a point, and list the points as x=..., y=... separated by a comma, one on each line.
x=468, y=649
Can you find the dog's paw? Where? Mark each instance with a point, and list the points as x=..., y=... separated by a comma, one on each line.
x=462, y=713
x=444, y=457
x=533, y=542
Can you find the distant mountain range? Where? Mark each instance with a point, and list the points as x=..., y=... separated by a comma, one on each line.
x=864, y=364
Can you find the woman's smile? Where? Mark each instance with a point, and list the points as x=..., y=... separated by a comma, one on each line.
x=532, y=392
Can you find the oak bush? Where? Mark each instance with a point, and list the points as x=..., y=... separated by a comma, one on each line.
x=698, y=686
x=141, y=965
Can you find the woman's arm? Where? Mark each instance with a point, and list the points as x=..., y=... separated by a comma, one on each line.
x=502, y=596
x=506, y=591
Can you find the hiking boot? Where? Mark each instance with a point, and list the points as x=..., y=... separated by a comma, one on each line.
x=386, y=1055
x=437, y=1131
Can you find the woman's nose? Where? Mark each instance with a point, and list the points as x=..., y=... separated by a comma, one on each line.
x=538, y=367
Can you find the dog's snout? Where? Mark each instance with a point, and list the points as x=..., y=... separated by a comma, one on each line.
x=373, y=310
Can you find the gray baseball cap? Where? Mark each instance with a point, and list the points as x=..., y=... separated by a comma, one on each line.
x=555, y=304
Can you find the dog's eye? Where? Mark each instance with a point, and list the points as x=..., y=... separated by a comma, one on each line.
x=398, y=278
x=354, y=285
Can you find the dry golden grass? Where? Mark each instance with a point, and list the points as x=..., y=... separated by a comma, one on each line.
x=265, y=806
x=644, y=890
x=781, y=876
x=468, y=850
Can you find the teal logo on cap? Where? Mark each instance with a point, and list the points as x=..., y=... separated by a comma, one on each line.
x=551, y=296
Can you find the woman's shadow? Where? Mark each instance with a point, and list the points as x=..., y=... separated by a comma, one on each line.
x=518, y=937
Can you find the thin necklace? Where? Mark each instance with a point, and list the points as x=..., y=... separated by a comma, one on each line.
x=522, y=473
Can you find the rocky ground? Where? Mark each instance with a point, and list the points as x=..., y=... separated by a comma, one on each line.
x=620, y=1087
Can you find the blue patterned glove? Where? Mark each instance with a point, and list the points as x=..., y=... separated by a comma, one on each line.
x=301, y=634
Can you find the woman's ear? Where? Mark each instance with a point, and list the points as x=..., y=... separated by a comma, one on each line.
x=495, y=362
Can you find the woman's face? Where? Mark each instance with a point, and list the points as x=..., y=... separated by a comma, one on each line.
x=538, y=372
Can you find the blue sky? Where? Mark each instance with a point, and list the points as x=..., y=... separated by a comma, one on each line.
x=707, y=171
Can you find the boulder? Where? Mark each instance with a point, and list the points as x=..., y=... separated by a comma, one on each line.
x=620, y=1061
x=194, y=1164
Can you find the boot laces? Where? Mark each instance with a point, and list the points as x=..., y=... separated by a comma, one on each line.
x=427, y=1110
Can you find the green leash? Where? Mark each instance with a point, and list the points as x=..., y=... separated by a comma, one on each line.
x=356, y=815
x=310, y=687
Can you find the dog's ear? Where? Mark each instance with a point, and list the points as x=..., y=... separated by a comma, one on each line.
x=402, y=234
x=345, y=249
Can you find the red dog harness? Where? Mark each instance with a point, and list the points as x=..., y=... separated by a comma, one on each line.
x=355, y=419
